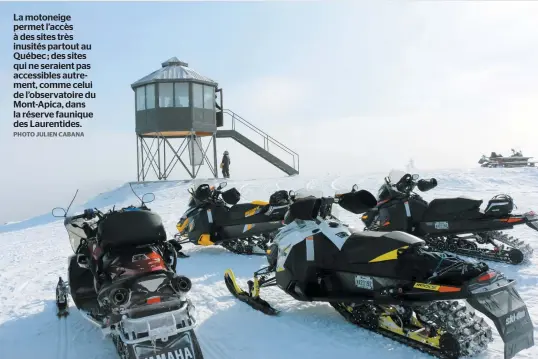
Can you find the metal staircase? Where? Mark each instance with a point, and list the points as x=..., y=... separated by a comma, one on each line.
x=290, y=167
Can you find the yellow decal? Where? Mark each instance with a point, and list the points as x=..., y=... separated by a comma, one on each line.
x=251, y=212
x=205, y=240
x=260, y=203
x=181, y=225
x=389, y=256
x=247, y=227
x=426, y=286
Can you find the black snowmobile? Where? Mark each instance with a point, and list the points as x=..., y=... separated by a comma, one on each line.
x=450, y=224
x=216, y=218
x=389, y=283
x=122, y=279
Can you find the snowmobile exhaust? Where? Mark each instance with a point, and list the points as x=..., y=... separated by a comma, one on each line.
x=181, y=284
x=119, y=296
x=500, y=302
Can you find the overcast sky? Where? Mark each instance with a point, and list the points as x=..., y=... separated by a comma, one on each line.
x=352, y=87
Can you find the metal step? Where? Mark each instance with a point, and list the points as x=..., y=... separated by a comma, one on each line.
x=260, y=151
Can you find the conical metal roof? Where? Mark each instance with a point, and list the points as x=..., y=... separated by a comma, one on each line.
x=173, y=70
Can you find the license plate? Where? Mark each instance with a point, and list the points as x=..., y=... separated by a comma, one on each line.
x=364, y=282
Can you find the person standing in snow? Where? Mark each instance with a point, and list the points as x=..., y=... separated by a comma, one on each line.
x=225, y=165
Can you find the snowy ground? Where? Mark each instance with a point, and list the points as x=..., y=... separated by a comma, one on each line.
x=34, y=253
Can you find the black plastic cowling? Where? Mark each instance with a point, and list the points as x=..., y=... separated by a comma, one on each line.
x=231, y=196
x=357, y=202
x=426, y=185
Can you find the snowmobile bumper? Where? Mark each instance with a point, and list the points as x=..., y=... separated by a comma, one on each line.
x=495, y=296
x=158, y=326
x=531, y=220
x=159, y=335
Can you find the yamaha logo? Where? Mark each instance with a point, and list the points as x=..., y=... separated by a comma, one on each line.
x=184, y=353
x=514, y=317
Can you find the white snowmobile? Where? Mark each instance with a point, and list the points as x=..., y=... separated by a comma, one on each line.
x=122, y=279
x=389, y=283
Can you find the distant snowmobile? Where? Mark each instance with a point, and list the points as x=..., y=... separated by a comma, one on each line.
x=450, y=224
x=216, y=218
x=122, y=279
x=515, y=160
x=389, y=283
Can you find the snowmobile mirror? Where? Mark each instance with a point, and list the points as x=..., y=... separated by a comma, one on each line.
x=222, y=185
x=355, y=188
x=415, y=177
x=291, y=194
x=148, y=197
x=357, y=202
x=59, y=212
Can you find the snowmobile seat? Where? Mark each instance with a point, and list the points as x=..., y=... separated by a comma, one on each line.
x=130, y=228
x=371, y=247
x=447, y=206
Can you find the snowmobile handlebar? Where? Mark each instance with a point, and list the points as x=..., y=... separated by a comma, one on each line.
x=89, y=213
x=310, y=208
x=408, y=183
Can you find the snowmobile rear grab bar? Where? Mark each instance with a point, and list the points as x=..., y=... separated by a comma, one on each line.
x=161, y=332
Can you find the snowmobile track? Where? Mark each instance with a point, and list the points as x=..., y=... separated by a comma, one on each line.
x=246, y=246
x=524, y=256
x=454, y=317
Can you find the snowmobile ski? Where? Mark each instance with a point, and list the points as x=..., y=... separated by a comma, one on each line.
x=251, y=297
x=391, y=283
x=62, y=302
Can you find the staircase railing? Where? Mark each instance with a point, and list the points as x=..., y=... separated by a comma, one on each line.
x=266, y=138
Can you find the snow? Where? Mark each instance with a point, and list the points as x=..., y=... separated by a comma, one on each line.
x=34, y=253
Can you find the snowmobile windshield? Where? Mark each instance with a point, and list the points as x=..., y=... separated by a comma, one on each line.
x=396, y=175
x=75, y=231
x=385, y=192
x=192, y=203
x=304, y=192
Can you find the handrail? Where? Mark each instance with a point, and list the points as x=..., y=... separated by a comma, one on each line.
x=265, y=136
